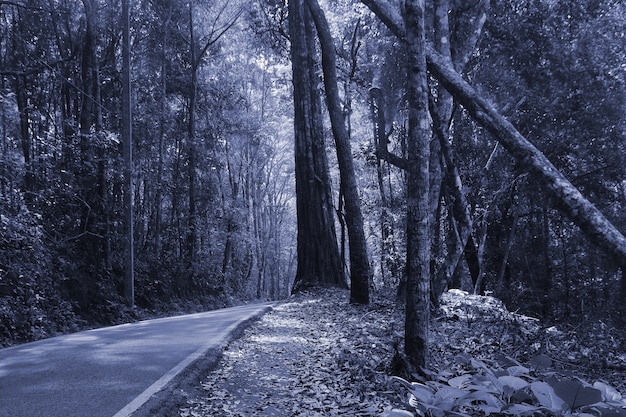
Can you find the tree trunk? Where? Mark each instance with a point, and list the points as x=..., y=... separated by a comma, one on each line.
x=360, y=273
x=459, y=206
x=416, y=342
x=158, y=217
x=190, y=248
x=582, y=212
x=388, y=260
x=129, y=274
x=318, y=254
x=21, y=95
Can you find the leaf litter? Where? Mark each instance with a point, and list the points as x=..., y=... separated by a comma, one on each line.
x=317, y=355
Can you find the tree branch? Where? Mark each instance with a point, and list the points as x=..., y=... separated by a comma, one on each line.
x=393, y=159
x=582, y=212
x=32, y=70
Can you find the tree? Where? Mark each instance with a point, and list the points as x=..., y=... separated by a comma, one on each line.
x=317, y=251
x=570, y=200
x=127, y=136
x=198, y=48
x=360, y=273
x=456, y=47
x=551, y=69
x=418, y=185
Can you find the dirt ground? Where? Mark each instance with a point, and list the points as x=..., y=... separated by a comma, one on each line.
x=314, y=355
x=317, y=355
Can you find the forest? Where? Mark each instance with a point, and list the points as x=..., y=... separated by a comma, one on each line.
x=255, y=149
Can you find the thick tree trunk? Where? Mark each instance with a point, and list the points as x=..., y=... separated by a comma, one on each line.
x=318, y=254
x=582, y=212
x=360, y=272
x=416, y=340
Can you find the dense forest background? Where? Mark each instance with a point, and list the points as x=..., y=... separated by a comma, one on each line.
x=214, y=195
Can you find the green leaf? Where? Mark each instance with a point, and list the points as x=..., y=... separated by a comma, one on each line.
x=546, y=396
x=609, y=394
x=423, y=393
x=520, y=409
x=513, y=382
x=518, y=370
x=460, y=381
x=541, y=361
x=575, y=395
x=399, y=413
x=488, y=400
x=450, y=394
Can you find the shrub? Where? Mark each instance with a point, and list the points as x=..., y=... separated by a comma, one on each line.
x=505, y=387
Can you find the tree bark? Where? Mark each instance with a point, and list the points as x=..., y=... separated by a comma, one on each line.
x=194, y=59
x=389, y=263
x=319, y=262
x=360, y=272
x=457, y=200
x=582, y=212
x=416, y=340
x=129, y=268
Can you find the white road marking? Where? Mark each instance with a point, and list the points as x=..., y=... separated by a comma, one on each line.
x=142, y=398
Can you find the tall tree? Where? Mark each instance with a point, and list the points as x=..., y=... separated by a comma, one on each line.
x=568, y=198
x=456, y=46
x=317, y=251
x=127, y=135
x=360, y=273
x=199, y=45
x=416, y=340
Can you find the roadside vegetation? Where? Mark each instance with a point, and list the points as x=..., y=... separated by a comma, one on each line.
x=316, y=355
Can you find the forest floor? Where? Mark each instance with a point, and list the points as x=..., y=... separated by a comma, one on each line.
x=317, y=355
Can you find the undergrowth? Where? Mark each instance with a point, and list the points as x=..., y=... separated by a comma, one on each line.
x=317, y=355
x=489, y=361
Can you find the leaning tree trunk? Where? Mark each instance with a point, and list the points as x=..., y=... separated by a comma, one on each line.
x=586, y=216
x=569, y=199
x=319, y=262
x=359, y=261
x=456, y=47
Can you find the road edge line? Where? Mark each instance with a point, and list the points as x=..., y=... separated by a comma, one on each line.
x=162, y=382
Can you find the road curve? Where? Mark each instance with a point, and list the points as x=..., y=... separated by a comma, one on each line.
x=110, y=371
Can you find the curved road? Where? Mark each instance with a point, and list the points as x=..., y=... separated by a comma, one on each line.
x=110, y=371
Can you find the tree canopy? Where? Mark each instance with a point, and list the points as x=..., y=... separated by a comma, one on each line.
x=269, y=149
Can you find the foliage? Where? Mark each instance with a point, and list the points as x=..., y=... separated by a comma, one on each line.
x=551, y=67
x=316, y=355
x=30, y=304
x=211, y=207
x=555, y=69
x=551, y=383
x=508, y=388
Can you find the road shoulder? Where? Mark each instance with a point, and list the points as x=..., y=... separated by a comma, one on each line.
x=167, y=400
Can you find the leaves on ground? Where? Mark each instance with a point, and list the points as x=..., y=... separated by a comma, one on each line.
x=317, y=355
x=314, y=355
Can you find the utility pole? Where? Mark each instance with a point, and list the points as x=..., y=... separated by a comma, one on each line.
x=127, y=145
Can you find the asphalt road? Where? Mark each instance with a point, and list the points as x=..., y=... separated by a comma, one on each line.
x=110, y=371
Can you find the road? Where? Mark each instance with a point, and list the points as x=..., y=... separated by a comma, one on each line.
x=110, y=371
